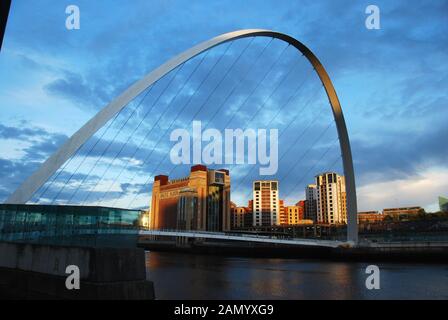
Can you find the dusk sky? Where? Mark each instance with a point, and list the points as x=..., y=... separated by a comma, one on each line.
x=392, y=84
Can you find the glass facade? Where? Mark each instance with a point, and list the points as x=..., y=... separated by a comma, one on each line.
x=214, y=208
x=69, y=225
x=443, y=203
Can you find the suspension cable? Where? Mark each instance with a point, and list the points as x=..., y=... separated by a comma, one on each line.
x=293, y=119
x=266, y=99
x=313, y=167
x=85, y=157
x=167, y=108
x=130, y=136
x=188, y=102
x=229, y=69
x=240, y=81
x=71, y=158
x=305, y=153
x=245, y=101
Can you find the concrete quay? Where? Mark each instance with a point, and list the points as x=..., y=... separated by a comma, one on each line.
x=34, y=271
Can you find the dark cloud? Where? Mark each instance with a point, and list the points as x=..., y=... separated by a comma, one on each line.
x=13, y=173
x=76, y=89
x=21, y=133
x=41, y=144
x=399, y=157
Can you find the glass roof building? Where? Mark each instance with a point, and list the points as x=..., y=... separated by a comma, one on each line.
x=69, y=225
x=443, y=204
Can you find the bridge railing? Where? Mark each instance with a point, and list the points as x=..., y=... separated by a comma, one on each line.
x=228, y=235
x=199, y=232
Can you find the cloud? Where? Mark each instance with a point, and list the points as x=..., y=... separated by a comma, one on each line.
x=399, y=155
x=13, y=173
x=37, y=145
x=391, y=82
x=21, y=133
x=76, y=89
x=416, y=190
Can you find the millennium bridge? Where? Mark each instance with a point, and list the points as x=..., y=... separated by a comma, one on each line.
x=83, y=204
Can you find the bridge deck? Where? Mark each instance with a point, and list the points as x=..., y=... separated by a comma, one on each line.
x=245, y=237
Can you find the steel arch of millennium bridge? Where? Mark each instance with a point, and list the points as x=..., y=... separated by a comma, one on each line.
x=57, y=159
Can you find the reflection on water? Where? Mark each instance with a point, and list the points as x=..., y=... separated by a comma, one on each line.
x=184, y=276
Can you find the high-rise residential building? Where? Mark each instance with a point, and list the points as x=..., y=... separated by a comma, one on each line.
x=207, y=191
x=248, y=220
x=283, y=213
x=311, y=202
x=301, y=204
x=266, y=204
x=331, y=198
x=238, y=214
x=240, y=217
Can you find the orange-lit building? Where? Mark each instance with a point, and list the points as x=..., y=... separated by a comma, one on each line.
x=403, y=213
x=293, y=215
x=240, y=217
x=331, y=198
x=200, y=201
x=301, y=204
x=283, y=213
x=370, y=217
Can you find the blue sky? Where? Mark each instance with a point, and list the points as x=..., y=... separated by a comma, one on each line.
x=392, y=84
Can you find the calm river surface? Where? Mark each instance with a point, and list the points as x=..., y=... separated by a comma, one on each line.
x=184, y=276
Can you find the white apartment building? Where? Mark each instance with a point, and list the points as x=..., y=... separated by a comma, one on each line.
x=331, y=198
x=266, y=204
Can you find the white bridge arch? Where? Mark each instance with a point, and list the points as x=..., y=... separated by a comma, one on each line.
x=69, y=148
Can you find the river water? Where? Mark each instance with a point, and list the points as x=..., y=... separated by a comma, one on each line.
x=185, y=276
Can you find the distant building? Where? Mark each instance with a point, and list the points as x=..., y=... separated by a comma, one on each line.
x=207, y=191
x=403, y=213
x=293, y=214
x=283, y=213
x=443, y=204
x=266, y=204
x=370, y=217
x=331, y=198
x=248, y=218
x=301, y=204
x=239, y=217
x=311, y=202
